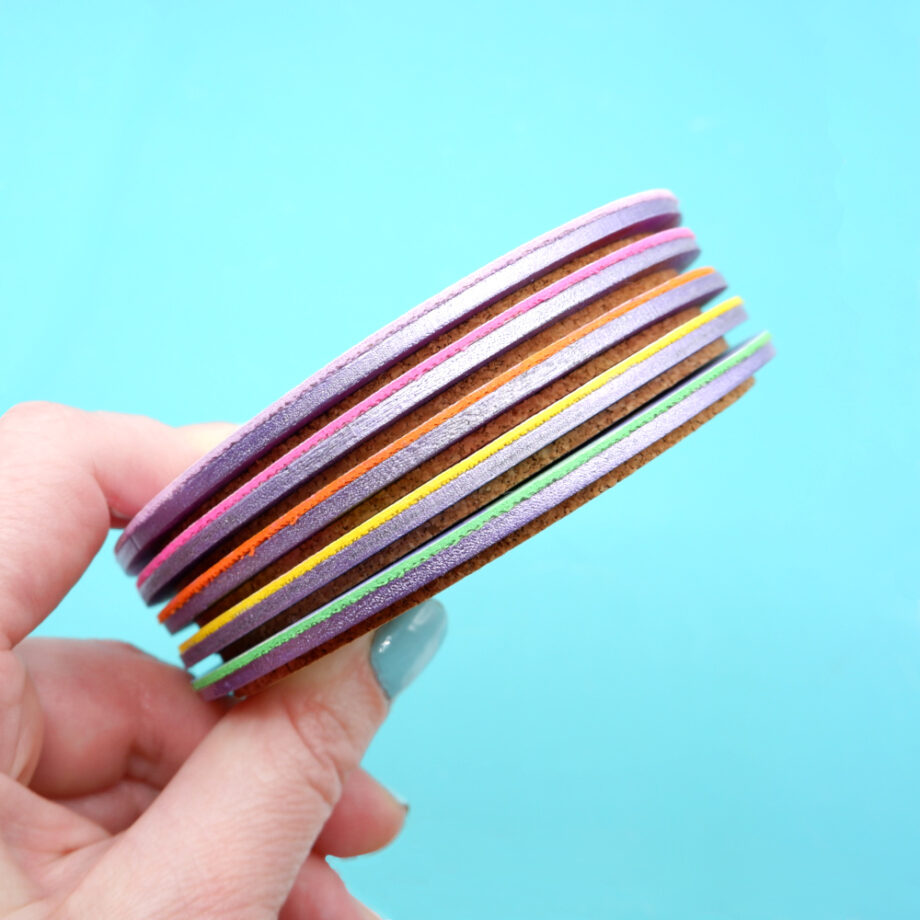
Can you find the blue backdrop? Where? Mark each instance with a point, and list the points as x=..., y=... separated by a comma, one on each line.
x=734, y=728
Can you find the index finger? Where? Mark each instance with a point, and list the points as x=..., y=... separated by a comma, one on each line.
x=65, y=475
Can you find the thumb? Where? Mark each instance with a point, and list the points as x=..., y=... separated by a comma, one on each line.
x=228, y=835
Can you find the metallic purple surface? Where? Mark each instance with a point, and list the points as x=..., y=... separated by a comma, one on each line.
x=494, y=530
x=677, y=253
x=655, y=210
x=461, y=486
x=695, y=292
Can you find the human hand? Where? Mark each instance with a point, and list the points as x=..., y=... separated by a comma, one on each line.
x=122, y=793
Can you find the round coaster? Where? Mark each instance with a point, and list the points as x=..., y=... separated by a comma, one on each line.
x=441, y=431
x=453, y=434
x=454, y=484
x=521, y=506
x=449, y=517
x=418, y=386
x=474, y=563
x=647, y=212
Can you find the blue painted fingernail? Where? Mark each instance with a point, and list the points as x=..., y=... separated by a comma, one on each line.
x=401, y=648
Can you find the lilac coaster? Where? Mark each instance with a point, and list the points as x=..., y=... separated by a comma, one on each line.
x=650, y=211
x=672, y=248
x=460, y=486
x=695, y=292
x=468, y=539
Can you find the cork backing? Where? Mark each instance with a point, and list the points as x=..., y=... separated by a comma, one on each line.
x=606, y=303
x=500, y=548
x=407, y=363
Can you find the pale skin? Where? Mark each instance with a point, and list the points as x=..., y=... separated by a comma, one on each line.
x=123, y=794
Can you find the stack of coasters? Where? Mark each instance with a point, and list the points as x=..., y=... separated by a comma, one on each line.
x=441, y=441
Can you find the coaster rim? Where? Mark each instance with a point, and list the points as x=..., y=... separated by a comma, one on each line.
x=699, y=391
x=252, y=556
x=482, y=467
x=137, y=543
x=676, y=248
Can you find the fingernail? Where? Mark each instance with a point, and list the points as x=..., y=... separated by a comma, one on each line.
x=400, y=800
x=401, y=648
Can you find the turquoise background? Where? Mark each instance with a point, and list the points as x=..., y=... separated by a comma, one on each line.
x=733, y=729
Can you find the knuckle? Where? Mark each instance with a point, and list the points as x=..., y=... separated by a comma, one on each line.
x=13, y=682
x=34, y=415
x=327, y=746
x=123, y=649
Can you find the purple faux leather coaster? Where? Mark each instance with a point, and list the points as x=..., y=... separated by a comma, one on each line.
x=670, y=248
x=435, y=445
x=456, y=488
x=513, y=512
x=673, y=299
x=646, y=212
